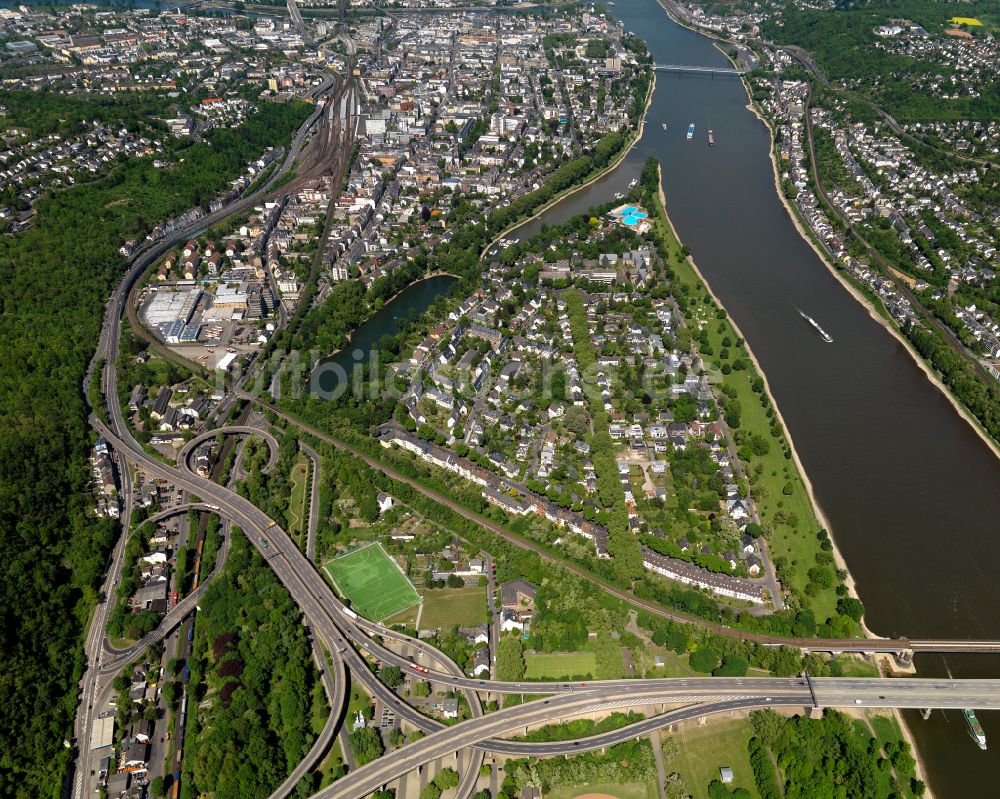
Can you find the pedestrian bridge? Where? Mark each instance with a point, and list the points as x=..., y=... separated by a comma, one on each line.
x=680, y=68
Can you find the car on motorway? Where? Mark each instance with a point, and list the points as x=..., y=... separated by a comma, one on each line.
x=263, y=543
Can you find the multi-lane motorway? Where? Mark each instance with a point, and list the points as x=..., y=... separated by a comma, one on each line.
x=341, y=633
x=723, y=694
x=350, y=640
x=93, y=693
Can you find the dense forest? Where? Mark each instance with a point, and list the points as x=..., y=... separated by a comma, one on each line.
x=54, y=279
x=843, y=43
x=830, y=757
x=43, y=112
x=256, y=693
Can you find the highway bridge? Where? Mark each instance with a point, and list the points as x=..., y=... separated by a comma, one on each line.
x=350, y=640
x=728, y=694
x=696, y=70
x=185, y=452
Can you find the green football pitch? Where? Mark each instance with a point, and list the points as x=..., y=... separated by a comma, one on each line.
x=373, y=583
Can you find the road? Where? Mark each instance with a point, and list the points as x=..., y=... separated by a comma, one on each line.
x=726, y=694
x=90, y=682
x=313, y=524
x=92, y=690
x=340, y=633
x=184, y=453
x=113, y=660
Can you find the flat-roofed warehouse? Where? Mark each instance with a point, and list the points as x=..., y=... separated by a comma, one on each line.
x=170, y=306
x=103, y=732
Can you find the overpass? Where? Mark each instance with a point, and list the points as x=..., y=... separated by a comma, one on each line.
x=297, y=21
x=184, y=453
x=727, y=694
x=684, y=69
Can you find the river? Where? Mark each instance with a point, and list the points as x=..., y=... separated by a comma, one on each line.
x=411, y=301
x=910, y=490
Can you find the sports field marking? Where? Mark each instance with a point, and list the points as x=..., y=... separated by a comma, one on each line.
x=373, y=582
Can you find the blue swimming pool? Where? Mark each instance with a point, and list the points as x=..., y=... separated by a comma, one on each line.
x=628, y=210
x=634, y=218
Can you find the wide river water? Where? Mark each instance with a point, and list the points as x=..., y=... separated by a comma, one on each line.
x=911, y=492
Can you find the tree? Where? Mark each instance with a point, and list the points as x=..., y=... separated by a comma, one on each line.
x=851, y=607
x=422, y=688
x=732, y=666
x=391, y=676
x=704, y=659
x=430, y=791
x=156, y=787
x=366, y=745
x=446, y=778
x=767, y=725
x=510, y=658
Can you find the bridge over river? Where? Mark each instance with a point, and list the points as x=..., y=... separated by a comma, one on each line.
x=696, y=70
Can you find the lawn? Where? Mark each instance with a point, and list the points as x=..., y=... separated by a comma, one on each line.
x=851, y=666
x=674, y=665
x=800, y=545
x=372, y=582
x=558, y=665
x=702, y=751
x=408, y=617
x=628, y=790
x=297, y=504
x=446, y=607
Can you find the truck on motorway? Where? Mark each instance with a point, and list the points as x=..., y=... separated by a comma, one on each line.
x=350, y=613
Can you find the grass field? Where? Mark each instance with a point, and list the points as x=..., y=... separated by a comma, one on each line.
x=851, y=666
x=297, y=504
x=372, y=582
x=406, y=617
x=702, y=751
x=800, y=546
x=628, y=790
x=558, y=665
x=446, y=607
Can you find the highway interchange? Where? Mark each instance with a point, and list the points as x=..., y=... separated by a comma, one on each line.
x=350, y=641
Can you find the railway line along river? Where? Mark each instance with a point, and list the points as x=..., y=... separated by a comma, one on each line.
x=911, y=491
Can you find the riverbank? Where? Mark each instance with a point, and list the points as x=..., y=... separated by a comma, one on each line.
x=841, y=563
x=636, y=136
x=810, y=493
x=920, y=768
x=385, y=305
x=856, y=293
